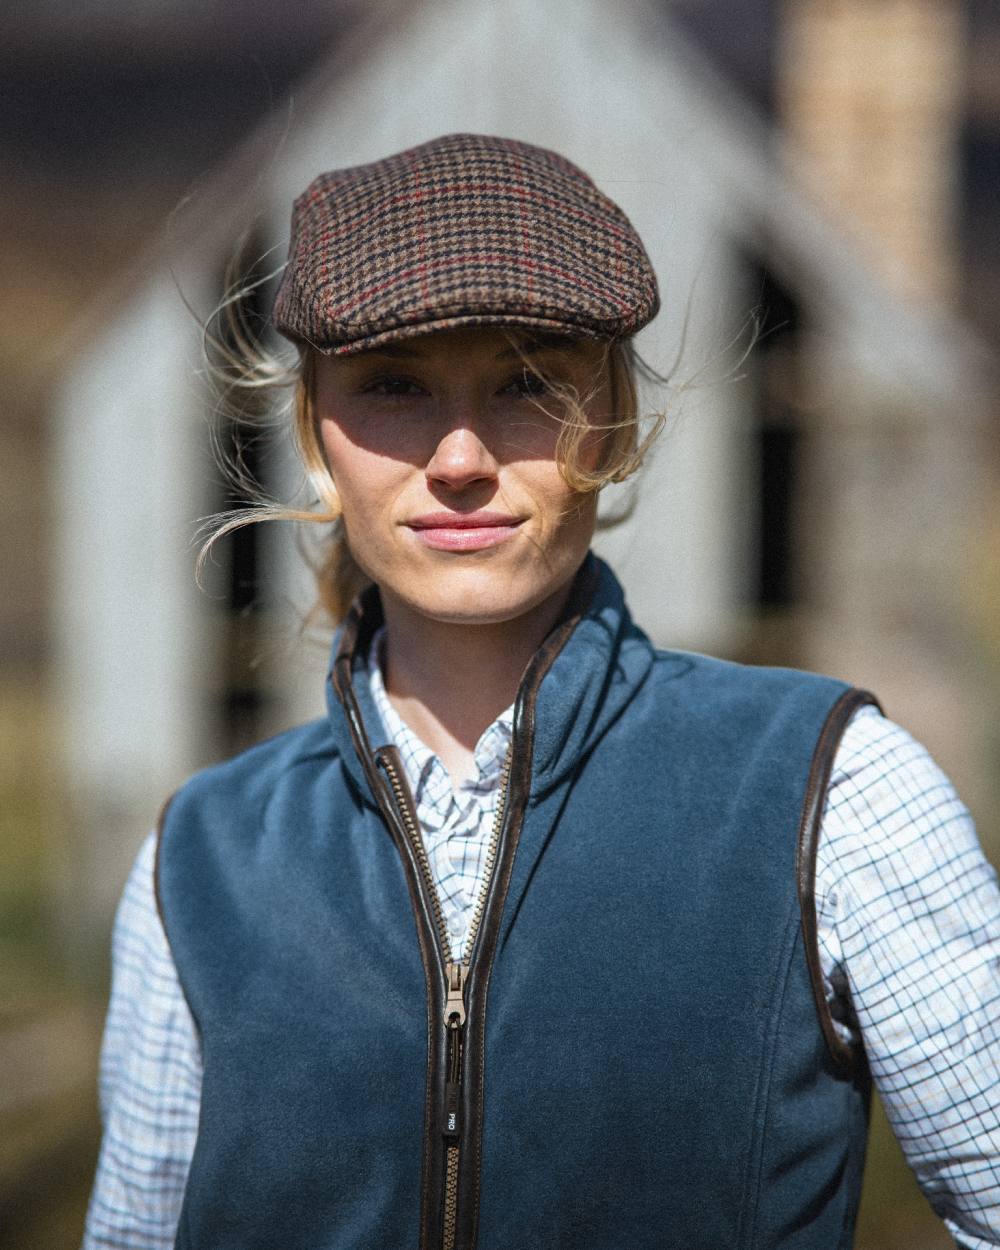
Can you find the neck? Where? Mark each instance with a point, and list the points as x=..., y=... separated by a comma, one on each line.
x=448, y=681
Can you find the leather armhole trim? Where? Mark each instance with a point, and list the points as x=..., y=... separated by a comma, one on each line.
x=810, y=824
x=157, y=855
x=160, y=822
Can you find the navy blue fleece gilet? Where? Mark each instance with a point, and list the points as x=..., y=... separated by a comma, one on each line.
x=654, y=1072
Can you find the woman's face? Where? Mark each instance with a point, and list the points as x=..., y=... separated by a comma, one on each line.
x=445, y=466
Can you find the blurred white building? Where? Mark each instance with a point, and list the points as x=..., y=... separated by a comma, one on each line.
x=808, y=510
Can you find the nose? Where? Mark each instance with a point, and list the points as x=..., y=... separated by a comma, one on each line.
x=461, y=458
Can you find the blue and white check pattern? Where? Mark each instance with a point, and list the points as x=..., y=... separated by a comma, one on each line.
x=909, y=929
x=456, y=821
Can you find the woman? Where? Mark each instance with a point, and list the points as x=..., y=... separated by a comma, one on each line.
x=541, y=937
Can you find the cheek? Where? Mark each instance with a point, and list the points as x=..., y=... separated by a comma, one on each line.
x=351, y=465
x=364, y=484
x=566, y=516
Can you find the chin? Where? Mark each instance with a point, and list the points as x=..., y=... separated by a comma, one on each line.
x=480, y=596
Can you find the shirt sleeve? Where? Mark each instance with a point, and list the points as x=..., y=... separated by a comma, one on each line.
x=150, y=1082
x=909, y=929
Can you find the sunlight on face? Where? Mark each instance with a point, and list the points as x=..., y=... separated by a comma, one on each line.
x=445, y=466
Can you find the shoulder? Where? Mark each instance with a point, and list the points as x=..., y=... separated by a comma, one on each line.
x=218, y=821
x=892, y=812
x=882, y=775
x=226, y=808
x=254, y=773
x=727, y=688
x=709, y=670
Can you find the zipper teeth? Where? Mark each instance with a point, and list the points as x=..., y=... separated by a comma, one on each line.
x=450, y=1199
x=491, y=853
x=420, y=850
x=450, y=1215
x=417, y=842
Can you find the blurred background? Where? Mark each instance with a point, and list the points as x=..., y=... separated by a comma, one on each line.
x=828, y=499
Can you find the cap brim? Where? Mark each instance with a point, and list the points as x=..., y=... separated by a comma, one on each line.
x=400, y=333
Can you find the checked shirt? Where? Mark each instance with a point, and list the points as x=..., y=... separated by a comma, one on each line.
x=909, y=931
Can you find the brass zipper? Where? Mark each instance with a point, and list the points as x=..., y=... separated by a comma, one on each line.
x=491, y=851
x=456, y=976
x=404, y=807
x=382, y=768
x=452, y=1125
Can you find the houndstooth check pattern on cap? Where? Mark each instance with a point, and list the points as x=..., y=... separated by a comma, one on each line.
x=463, y=230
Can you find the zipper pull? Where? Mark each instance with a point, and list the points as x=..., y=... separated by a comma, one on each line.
x=455, y=1005
x=452, y=1126
x=454, y=1015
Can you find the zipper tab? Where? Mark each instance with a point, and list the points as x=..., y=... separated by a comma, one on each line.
x=455, y=1006
x=451, y=1126
x=454, y=1015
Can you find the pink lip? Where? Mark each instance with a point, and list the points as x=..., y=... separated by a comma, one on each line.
x=463, y=531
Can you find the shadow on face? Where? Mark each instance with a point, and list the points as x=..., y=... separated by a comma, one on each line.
x=509, y=390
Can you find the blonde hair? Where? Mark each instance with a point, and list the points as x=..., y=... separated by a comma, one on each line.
x=246, y=373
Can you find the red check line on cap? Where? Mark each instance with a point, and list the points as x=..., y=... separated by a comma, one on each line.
x=559, y=207
x=464, y=228
x=481, y=258
x=421, y=231
x=527, y=261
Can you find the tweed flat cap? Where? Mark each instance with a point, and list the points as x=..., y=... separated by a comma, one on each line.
x=463, y=230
